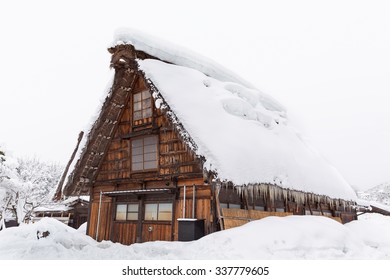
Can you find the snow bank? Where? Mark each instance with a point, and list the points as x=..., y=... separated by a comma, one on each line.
x=243, y=134
x=292, y=237
x=374, y=230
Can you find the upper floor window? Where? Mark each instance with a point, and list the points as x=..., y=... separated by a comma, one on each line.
x=142, y=105
x=144, y=153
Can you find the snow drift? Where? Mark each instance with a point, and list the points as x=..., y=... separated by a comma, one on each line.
x=293, y=237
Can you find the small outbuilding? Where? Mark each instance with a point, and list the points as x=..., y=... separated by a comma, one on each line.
x=72, y=211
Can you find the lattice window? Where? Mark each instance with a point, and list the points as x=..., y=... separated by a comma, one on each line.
x=144, y=153
x=142, y=105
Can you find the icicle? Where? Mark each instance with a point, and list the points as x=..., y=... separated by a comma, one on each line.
x=284, y=194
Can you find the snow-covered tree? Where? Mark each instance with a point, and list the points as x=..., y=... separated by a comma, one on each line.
x=37, y=182
x=25, y=184
x=2, y=168
x=6, y=186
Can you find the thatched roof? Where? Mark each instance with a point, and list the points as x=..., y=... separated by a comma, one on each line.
x=244, y=135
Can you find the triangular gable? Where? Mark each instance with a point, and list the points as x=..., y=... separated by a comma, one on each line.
x=112, y=126
x=102, y=131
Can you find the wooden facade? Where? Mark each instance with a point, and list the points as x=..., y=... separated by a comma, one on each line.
x=142, y=174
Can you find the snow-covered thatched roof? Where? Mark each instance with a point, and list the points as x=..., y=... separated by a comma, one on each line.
x=63, y=205
x=244, y=135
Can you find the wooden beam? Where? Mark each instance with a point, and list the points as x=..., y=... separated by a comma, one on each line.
x=150, y=131
x=58, y=193
x=133, y=79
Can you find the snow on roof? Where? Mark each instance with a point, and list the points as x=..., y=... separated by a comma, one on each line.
x=63, y=205
x=53, y=207
x=175, y=54
x=244, y=135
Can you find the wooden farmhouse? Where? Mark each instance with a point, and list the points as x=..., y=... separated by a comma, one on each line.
x=183, y=147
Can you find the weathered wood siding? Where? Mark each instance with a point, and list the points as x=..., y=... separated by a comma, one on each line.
x=156, y=231
x=177, y=166
x=175, y=159
x=105, y=220
x=124, y=232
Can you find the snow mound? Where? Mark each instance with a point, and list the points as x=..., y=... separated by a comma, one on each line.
x=22, y=242
x=292, y=237
x=374, y=230
x=83, y=228
x=244, y=134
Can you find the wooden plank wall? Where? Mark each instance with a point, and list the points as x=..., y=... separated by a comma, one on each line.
x=174, y=156
x=124, y=233
x=156, y=231
x=105, y=220
x=238, y=217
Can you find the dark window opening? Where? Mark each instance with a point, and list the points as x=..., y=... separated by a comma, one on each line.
x=230, y=205
x=144, y=153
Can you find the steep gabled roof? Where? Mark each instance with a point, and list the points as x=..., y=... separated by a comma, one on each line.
x=244, y=134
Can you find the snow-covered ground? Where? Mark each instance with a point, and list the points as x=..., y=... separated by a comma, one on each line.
x=293, y=237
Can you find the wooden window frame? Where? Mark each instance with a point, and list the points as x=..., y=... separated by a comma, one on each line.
x=143, y=154
x=127, y=212
x=144, y=111
x=158, y=211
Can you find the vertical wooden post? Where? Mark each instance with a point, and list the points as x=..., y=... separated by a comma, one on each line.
x=173, y=221
x=140, y=218
x=98, y=219
x=193, y=201
x=218, y=205
x=184, y=203
x=113, y=214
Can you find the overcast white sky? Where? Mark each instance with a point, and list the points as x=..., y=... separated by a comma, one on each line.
x=328, y=62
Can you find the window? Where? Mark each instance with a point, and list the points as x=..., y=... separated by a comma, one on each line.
x=230, y=205
x=158, y=211
x=144, y=153
x=126, y=212
x=142, y=105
